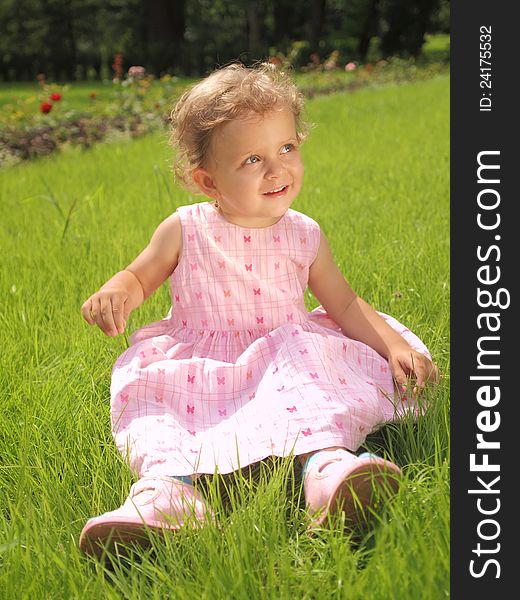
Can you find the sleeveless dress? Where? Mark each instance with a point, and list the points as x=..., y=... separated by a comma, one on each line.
x=239, y=370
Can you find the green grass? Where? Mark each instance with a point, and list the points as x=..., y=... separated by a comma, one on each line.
x=377, y=182
x=31, y=94
x=436, y=47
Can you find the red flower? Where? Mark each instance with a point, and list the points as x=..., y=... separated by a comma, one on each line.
x=56, y=97
x=45, y=107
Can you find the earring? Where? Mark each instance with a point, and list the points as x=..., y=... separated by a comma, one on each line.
x=216, y=204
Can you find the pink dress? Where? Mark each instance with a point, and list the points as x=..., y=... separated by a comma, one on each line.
x=239, y=370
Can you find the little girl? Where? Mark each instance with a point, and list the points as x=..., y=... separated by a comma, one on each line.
x=239, y=370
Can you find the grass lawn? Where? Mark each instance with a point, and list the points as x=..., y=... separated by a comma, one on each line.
x=377, y=181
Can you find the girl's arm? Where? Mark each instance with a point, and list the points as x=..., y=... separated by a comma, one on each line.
x=110, y=307
x=360, y=322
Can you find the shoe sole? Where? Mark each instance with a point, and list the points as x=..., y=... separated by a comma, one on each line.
x=102, y=537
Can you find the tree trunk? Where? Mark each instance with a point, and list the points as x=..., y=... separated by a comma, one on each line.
x=254, y=27
x=166, y=21
x=368, y=29
x=68, y=25
x=283, y=18
x=315, y=23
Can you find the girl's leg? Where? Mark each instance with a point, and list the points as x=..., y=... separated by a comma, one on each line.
x=159, y=500
x=157, y=503
x=305, y=457
x=183, y=478
x=148, y=444
x=336, y=479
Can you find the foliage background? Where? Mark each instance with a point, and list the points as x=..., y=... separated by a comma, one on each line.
x=77, y=39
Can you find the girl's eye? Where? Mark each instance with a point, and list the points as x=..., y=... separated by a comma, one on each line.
x=253, y=159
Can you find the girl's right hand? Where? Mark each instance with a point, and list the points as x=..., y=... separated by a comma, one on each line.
x=108, y=309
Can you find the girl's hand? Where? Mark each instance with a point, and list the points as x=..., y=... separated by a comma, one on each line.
x=407, y=363
x=109, y=309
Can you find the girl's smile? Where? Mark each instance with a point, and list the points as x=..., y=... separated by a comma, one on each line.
x=278, y=192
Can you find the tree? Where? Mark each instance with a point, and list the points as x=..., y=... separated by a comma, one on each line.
x=73, y=38
x=61, y=37
x=163, y=34
x=404, y=25
x=369, y=26
x=360, y=25
x=316, y=18
x=254, y=26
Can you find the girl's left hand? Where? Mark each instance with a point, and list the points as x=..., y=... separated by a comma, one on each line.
x=408, y=363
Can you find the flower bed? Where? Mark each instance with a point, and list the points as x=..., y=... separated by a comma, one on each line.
x=22, y=144
x=140, y=105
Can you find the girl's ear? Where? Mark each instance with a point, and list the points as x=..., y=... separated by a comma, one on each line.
x=205, y=182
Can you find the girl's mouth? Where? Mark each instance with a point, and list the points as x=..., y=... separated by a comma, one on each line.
x=277, y=192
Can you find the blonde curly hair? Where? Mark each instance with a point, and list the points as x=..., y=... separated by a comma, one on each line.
x=228, y=93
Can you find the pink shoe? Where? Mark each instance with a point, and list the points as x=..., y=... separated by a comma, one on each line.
x=157, y=503
x=338, y=480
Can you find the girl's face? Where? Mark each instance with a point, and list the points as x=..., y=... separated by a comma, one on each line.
x=255, y=169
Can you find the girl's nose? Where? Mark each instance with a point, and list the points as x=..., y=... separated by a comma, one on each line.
x=275, y=169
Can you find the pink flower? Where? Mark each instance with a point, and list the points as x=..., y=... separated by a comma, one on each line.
x=136, y=71
x=351, y=66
